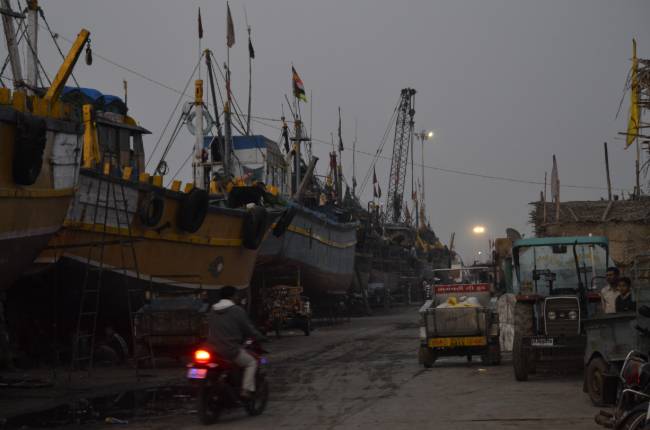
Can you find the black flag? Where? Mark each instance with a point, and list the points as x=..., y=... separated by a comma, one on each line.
x=200, y=25
x=340, y=138
x=251, y=51
x=375, y=184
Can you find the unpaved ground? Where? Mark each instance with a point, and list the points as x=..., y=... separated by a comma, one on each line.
x=364, y=375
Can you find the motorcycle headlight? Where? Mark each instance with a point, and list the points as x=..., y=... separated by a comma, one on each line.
x=573, y=315
x=551, y=315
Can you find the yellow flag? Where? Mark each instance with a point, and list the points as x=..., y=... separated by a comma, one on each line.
x=633, y=123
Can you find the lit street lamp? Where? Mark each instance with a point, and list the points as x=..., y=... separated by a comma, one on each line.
x=478, y=229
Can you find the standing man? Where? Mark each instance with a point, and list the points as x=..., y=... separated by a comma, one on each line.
x=609, y=293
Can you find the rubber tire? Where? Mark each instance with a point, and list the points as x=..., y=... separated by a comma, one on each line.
x=261, y=395
x=520, y=358
x=208, y=413
x=29, y=144
x=151, y=210
x=593, y=374
x=193, y=210
x=285, y=220
x=307, y=327
x=254, y=227
x=426, y=357
x=636, y=421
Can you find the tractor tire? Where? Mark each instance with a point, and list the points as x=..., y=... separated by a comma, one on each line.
x=520, y=358
x=524, y=319
x=594, y=380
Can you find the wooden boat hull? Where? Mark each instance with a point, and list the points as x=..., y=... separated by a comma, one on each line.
x=31, y=214
x=323, y=250
x=210, y=258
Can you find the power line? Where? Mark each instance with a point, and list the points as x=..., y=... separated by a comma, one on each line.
x=463, y=172
x=260, y=120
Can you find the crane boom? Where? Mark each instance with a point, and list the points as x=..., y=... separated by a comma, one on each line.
x=399, y=160
x=65, y=70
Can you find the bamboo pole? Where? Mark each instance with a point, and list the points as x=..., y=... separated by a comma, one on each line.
x=609, y=182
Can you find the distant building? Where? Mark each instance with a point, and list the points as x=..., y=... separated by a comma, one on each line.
x=626, y=223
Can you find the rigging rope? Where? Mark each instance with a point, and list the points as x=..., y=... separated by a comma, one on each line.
x=169, y=120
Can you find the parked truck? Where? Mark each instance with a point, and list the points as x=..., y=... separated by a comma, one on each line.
x=460, y=318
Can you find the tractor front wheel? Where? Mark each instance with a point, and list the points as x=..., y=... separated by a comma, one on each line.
x=520, y=357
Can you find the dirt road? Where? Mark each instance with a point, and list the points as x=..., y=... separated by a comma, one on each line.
x=364, y=375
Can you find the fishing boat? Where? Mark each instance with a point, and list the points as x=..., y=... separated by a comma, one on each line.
x=40, y=139
x=319, y=240
x=123, y=220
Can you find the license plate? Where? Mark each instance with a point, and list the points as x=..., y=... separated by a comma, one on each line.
x=457, y=341
x=542, y=341
x=194, y=373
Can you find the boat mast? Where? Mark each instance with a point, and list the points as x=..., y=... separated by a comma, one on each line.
x=12, y=46
x=32, y=34
x=354, y=165
x=250, y=75
x=199, y=169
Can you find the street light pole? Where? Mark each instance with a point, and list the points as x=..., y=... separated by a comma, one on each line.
x=423, y=135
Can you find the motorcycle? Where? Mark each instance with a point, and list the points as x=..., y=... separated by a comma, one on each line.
x=633, y=399
x=219, y=381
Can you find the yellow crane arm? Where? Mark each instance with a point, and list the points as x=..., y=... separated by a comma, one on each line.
x=65, y=70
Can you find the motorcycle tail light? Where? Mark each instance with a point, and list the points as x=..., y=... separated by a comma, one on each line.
x=202, y=356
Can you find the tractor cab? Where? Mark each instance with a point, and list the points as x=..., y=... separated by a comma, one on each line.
x=553, y=266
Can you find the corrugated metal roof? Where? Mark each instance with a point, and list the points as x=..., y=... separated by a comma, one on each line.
x=564, y=240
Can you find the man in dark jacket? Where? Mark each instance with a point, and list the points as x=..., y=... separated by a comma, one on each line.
x=624, y=301
x=229, y=327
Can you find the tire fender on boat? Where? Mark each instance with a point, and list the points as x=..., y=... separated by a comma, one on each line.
x=151, y=209
x=29, y=144
x=254, y=227
x=193, y=210
x=284, y=221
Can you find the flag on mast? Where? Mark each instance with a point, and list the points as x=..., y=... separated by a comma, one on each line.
x=298, y=86
x=633, y=122
x=340, y=138
x=251, y=51
x=230, y=37
x=200, y=25
x=374, y=183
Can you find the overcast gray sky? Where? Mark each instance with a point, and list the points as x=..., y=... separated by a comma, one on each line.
x=505, y=84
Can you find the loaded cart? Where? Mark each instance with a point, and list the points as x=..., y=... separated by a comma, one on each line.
x=460, y=319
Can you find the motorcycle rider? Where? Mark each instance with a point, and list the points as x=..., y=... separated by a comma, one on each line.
x=229, y=326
